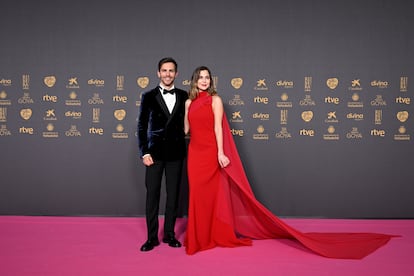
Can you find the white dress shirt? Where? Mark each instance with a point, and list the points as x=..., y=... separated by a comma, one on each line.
x=169, y=99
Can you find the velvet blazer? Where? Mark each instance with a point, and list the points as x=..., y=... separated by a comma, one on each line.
x=160, y=133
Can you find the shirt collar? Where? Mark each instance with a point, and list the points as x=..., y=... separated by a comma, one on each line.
x=162, y=87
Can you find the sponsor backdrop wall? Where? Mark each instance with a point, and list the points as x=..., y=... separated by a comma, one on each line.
x=318, y=94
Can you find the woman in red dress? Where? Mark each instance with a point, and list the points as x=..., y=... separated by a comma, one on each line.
x=223, y=210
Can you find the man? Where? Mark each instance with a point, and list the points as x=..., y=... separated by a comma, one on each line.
x=162, y=149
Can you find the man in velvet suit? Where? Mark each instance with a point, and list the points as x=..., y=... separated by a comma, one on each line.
x=162, y=149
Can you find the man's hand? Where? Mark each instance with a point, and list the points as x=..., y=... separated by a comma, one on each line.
x=147, y=160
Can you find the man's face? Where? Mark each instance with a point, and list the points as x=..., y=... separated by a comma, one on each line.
x=167, y=74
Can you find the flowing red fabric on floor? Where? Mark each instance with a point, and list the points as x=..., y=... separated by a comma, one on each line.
x=223, y=210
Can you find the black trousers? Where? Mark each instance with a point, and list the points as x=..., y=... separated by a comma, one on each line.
x=172, y=170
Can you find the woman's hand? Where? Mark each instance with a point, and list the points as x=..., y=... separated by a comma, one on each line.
x=223, y=160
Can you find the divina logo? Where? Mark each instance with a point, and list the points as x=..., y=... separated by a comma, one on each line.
x=73, y=114
x=379, y=83
x=355, y=116
x=284, y=83
x=96, y=82
x=5, y=82
x=261, y=116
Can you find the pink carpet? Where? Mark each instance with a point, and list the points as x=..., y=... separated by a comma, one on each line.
x=60, y=246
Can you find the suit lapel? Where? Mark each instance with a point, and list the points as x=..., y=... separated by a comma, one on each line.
x=161, y=102
x=177, y=104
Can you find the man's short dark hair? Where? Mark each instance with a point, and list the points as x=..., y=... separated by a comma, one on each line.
x=166, y=60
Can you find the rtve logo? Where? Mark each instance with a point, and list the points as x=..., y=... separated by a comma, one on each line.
x=307, y=132
x=378, y=132
x=263, y=100
x=26, y=130
x=122, y=99
x=98, y=131
x=237, y=132
x=401, y=100
x=332, y=100
x=47, y=98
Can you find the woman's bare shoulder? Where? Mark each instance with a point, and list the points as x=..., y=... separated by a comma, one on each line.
x=216, y=98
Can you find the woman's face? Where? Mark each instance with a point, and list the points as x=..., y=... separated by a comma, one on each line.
x=203, y=82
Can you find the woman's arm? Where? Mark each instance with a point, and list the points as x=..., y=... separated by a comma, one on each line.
x=218, y=110
x=186, y=122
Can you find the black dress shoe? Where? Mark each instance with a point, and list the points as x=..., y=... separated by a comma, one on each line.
x=172, y=241
x=149, y=245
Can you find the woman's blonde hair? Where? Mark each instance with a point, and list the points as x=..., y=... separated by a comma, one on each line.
x=193, y=93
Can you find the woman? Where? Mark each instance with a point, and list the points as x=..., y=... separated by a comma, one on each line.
x=222, y=208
